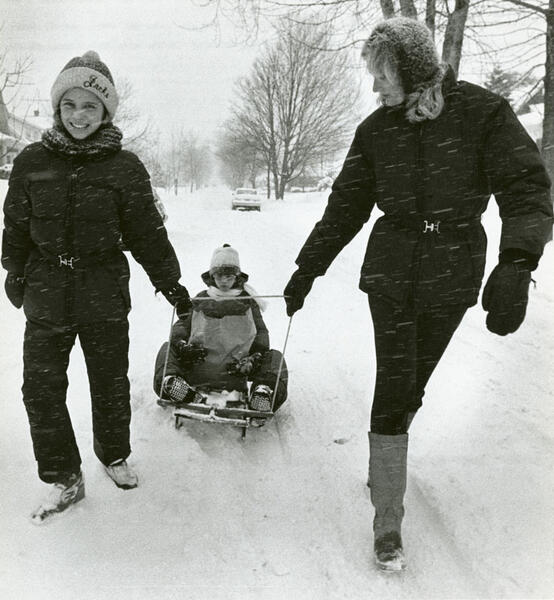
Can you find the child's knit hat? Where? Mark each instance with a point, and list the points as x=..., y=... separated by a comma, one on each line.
x=224, y=256
x=89, y=73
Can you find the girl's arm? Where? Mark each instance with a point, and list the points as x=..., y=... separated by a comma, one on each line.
x=16, y=239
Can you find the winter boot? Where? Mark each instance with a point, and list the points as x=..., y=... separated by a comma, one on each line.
x=122, y=474
x=177, y=392
x=61, y=496
x=387, y=474
x=409, y=418
x=260, y=398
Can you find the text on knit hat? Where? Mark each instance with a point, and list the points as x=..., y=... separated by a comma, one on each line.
x=87, y=72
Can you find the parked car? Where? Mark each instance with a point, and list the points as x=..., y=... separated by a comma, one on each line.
x=246, y=199
x=5, y=171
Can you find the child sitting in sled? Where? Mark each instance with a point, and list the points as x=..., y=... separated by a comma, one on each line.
x=222, y=344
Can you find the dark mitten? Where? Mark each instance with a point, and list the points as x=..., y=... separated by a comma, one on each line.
x=505, y=297
x=15, y=287
x=246, y=365
x=296, y=290
x=189, y=354
x=178, y=296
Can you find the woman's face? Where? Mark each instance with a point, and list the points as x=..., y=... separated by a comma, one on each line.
x=81, y=112
x=224, y=279
x=390, y=93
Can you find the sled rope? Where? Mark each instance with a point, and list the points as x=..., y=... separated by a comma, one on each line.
x=281, y=364
x=223, y=298
x=167, y=353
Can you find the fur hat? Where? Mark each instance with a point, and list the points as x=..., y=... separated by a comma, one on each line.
x=89, y=73
x=224, y=256
x=408, y=45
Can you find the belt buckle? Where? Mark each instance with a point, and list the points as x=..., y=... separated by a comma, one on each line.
x=431, y=226
x=65, y=262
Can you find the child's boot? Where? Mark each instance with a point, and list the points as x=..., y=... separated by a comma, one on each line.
x=260, y=398
x=177, y=392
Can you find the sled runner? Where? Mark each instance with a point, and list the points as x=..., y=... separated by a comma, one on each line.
x=235, y=413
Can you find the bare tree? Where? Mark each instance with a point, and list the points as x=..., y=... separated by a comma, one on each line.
x=12, y=78
x=136, y=126
x=297, y=104
x=239, y=157
x=458, y=21
x=196, y=160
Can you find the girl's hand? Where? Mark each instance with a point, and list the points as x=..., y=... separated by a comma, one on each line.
x=15, y=288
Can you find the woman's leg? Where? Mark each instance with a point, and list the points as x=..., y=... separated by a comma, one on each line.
x=408, y=347
x=106, y=349
x=45, y=359
x=435, y=329
x=395, y=350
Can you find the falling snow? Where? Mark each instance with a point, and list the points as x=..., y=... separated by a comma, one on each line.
x=286, y=513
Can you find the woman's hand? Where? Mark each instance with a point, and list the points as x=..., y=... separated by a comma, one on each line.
x=505, y=297
x=296, y=290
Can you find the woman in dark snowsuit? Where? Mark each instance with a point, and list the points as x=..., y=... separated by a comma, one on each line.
x=430, y=158
x=72, y=199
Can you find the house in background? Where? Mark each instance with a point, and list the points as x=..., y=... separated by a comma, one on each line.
x=19, y=130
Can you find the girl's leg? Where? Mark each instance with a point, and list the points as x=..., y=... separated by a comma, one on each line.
x=45, y=360
x=106, y=347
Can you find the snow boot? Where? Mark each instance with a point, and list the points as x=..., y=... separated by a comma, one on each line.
x=122, y=474
x=177, y=392
x=387, y=473
x=60, y=497
x=409, y=420
x=260, y=398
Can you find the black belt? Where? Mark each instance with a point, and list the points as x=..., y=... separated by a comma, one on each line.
x=430, y=225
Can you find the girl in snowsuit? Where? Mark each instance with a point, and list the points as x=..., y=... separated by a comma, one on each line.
x=429, y=158
x=222, y=343
x=72, y=198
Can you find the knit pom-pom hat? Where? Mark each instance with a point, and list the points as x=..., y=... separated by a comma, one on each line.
x=89, y=73
x=224, y=256
x=408, y=45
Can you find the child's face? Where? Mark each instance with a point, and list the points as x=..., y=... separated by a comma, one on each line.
x=81, y=113
x=224, y=279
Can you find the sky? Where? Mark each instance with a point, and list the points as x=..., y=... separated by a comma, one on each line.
x=180, y=76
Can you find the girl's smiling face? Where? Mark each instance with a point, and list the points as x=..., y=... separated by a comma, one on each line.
x=81, y=113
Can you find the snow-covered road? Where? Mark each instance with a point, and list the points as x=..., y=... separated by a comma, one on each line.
x=286, y=514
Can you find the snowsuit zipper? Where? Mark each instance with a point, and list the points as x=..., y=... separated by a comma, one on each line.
x=419, y=200
x=69, y=233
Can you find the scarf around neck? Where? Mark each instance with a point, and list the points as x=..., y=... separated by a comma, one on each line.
x=216, y=293
x=102, y=143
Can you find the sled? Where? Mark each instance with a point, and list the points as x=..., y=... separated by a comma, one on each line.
x=237, y=414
